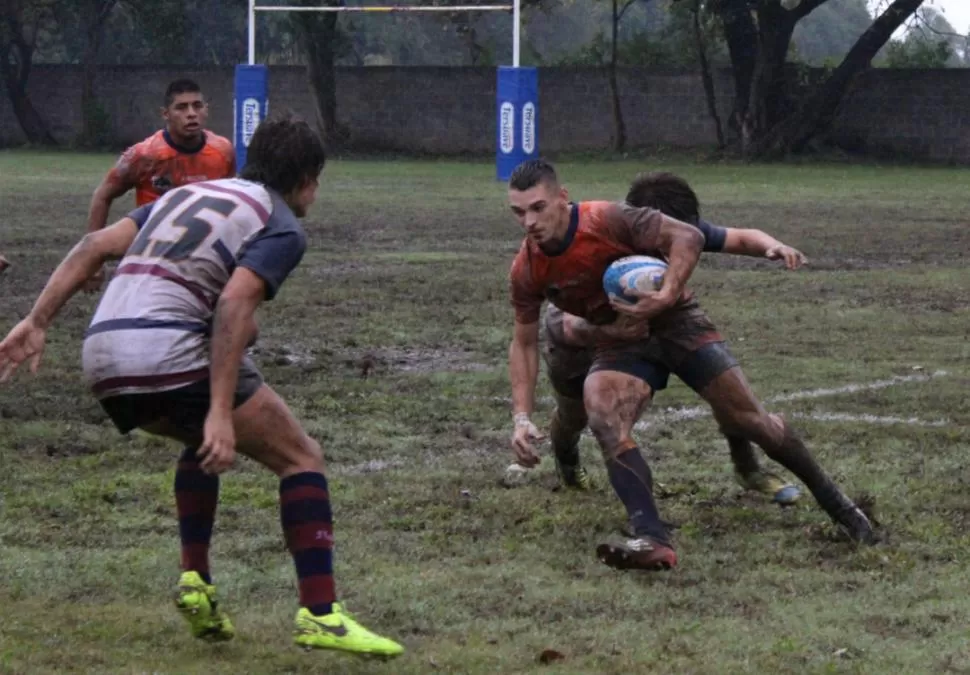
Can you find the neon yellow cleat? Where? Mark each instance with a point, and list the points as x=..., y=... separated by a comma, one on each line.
x=573, y=476
x=196, y=600
x=771, y=485
x=339, y=630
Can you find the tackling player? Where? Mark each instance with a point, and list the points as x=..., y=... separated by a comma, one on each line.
x=562, y=259
x=182, y=152
x=165, y=353
x=568, y=339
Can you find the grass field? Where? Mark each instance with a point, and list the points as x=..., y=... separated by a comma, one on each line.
x=390, y=343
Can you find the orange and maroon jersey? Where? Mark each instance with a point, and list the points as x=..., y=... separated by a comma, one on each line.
x=158, y=164
x=572, y=280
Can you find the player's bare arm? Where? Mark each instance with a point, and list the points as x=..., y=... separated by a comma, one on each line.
x=234, y=327
x=26, y=340
x=681, y=244
x=523, y=374
x=759, y=244
x=115, y=183
x=579, y=332
x=112, y=186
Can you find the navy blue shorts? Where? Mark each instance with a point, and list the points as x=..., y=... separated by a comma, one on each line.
x=684, y=342
x=185, y=407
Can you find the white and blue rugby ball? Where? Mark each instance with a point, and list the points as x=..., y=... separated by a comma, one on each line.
x=641, y=272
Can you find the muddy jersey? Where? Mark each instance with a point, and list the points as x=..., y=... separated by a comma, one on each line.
x=151, y=329
x=572, y=279
x=158, y=164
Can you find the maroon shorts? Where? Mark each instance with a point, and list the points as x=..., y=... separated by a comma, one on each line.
x=683, y=341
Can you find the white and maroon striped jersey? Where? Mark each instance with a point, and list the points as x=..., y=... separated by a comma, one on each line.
x=151, y=329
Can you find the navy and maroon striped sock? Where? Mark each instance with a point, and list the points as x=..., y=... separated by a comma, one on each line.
x=196, y=497
x=308, y=529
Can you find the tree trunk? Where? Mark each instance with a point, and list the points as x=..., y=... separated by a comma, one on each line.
x=768, y=100
x=741, y=35
x=94, y=119
x=317, y=32
x=817, y=113
x=706, y=75
x=16, y=58
x=619, y=127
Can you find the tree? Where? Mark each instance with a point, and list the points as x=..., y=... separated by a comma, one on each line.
x=20, y=23
x=700, y=42
x=830, y=31
x=94, y=15
x=320, y=41
x=759, y=35
x=819, y=109
x=619, y=126
x=930, y=42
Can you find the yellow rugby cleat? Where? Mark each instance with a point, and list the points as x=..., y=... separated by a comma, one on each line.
x=196, y=601
x=339, y=630
x=782, y=493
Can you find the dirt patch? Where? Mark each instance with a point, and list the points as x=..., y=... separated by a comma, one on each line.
x=284, y=355
x=415, y=360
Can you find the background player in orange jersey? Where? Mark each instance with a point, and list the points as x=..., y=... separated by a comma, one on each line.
x=182, y=152
x=562, y=259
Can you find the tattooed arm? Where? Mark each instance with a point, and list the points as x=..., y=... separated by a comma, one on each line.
x=650, y=232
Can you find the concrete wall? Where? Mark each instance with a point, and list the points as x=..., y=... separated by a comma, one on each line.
x=921, y=114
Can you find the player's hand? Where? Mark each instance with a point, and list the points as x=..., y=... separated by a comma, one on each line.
x=523, y=439
x=792, y=256
x=24, y=343
x=4, y=264
x=648, y=305
x=218, y=450
x=624, y=329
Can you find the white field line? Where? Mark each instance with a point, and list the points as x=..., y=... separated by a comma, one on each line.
x=694, y=412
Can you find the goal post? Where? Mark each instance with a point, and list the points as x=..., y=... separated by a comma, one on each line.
x=517, y=90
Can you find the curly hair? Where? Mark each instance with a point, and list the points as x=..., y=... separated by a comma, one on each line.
x=667, y=193
x=284, y=153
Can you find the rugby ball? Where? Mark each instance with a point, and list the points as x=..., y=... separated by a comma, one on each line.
x=641, y=272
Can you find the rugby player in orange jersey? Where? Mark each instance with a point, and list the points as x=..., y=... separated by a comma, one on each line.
x=562, y=259
x=181, y=153
x=568, y=356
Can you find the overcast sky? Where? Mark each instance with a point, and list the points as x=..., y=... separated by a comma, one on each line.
x=957, y=12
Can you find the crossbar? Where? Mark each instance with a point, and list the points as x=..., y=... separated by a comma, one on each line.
x=391, y=8
x=515, y=8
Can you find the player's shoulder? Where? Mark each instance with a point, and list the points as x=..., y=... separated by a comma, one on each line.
x=142, y=148
x=600, y=209
x=219, y=144
x=522, y=255
x=155, y=145
x=599, y=215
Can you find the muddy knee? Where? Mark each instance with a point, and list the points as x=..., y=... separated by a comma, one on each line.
x=613, y=404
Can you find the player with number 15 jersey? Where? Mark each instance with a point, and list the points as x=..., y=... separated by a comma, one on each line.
x=150, y=331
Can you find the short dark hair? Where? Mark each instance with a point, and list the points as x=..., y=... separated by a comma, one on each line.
x=182, y=86
x=284, y=152
x=667, y=193
x=530, y=173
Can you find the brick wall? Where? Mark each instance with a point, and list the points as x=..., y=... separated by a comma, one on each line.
x=920, y=114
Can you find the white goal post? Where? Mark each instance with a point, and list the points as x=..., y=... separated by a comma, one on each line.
x=517, y=89
x=516, y=8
